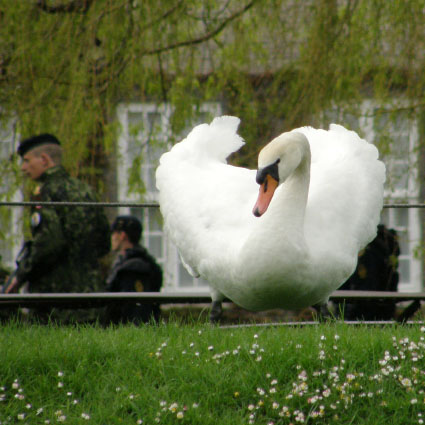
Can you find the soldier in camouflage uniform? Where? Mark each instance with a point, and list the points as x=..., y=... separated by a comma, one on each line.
x=67, y=241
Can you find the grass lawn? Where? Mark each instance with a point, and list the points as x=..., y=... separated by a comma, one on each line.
x=201, y=374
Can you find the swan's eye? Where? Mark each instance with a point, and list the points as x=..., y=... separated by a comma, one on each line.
x=261, y=176
x=271, y=170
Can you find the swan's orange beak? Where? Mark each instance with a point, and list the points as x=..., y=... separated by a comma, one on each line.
x=267, y=189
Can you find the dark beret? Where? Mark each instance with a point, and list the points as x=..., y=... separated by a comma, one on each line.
x=35, y=141
x=130, y=225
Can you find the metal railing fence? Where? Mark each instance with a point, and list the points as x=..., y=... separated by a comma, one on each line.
x=175, y=297
x=80, y=300
x=134, y=204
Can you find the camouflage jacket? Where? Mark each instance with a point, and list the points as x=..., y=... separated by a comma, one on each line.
x=67, y=241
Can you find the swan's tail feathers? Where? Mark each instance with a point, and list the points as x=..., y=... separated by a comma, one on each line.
x=215, y=141
x=226, y=121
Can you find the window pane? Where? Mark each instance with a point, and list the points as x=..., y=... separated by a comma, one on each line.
x=395, y=128
x=380, y=121
x=385, y=216
x=395, y=121
x=404, y=271
x=139, y=213
x=351, y=122
x=155, y=246
x=400, y=175
x=151, y=162
x=401, y=122
x=331, y=116
x=400, y=146
x=135, y=127
x=155, y=220
x=403, y=242
x=135, y=119
x=150, y=184
x=155, y=151
x=154, y=119
x=185, y=279
x=401, y=216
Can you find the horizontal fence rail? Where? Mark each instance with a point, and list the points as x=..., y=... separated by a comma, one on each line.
x=80, y=204
x=84, y=300
x=133, y=204
x=77, y=300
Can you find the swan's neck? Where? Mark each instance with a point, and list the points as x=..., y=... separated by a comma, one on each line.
x=289, y=203
x=280, y=231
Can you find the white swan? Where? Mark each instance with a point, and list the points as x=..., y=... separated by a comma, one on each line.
x=325, y=209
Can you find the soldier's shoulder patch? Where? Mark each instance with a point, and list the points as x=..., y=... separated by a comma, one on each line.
x=138, y=286
x=35, y=219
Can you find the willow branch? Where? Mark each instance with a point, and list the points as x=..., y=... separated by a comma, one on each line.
x=349, y=12
x=204, y=37
x=395, y=109
x=165, y=15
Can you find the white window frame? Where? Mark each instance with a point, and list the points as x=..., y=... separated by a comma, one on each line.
x=410, y=194
x=397, y=195
x=413, y=228
x=170, y=260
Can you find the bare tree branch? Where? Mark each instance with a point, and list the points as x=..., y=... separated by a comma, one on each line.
x=194, y=41
x=204, y=37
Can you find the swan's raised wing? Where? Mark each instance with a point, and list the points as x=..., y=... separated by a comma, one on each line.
x=346, y=190
x=206, y=203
